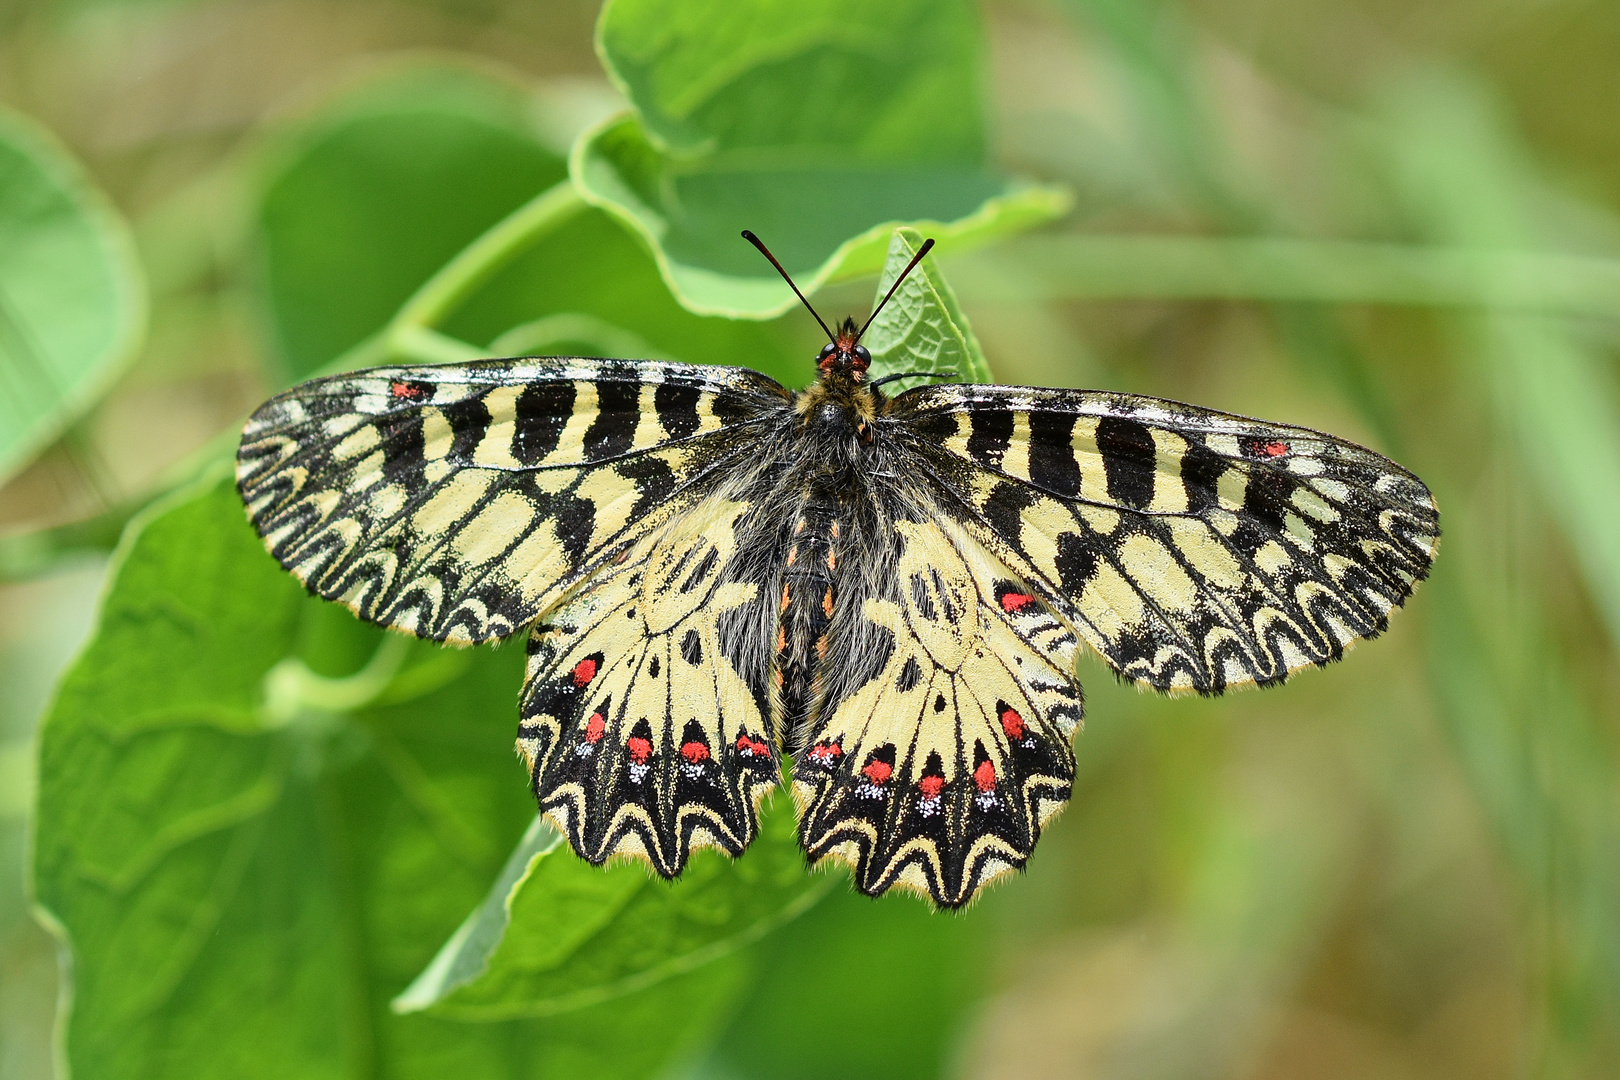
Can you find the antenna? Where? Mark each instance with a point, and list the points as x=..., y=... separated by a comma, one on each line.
x=910, y=266
x=765, y=251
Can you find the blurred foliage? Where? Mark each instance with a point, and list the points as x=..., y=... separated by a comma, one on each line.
x=284, y=845
x=759, y=112
x=72, y=298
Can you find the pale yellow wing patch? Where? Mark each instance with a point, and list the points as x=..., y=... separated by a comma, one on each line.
x=936, y=773
x=641, y=736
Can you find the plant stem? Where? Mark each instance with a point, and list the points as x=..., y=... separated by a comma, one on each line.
x=1338, y=272
x=422, y=345
x=486, y=256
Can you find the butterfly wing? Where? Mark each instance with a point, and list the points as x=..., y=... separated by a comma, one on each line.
x=942, y=744
x=458, y=502
x=642, y=735
x=1194, y=550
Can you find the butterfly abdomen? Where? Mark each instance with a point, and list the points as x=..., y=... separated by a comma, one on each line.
x=809, y=593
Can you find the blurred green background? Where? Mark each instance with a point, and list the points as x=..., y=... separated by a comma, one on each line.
x=1396, y=222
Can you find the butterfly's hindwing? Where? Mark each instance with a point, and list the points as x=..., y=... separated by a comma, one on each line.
x=641, y=735
x=1192, y=549
x=459, y=502
x=937, y=772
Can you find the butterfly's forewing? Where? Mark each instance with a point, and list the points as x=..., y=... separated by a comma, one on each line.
x=936, y=770
x=458, y=502
x=642, y=735
x=1194, y=550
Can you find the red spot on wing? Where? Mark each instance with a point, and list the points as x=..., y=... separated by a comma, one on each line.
x=594, y=728
x=584, y=671
x=404, y=390
x=985, y=776
x=746, y=744
x=931, y=786
x=640, y=750
x=1012, y=724
x=694, y=752
x=1274, y=449
x=823, y=753
x=878, y=771
x=1015, y=602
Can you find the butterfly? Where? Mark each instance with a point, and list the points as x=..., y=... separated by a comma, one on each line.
x=719, y=576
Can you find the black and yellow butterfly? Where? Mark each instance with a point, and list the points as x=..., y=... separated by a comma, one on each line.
x=715, y=572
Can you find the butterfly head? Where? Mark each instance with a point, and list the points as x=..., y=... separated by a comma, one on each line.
x=844, y=354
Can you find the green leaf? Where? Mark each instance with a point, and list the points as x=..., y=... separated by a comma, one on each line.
x=244, y=888
x=860, y=988
x=601, y=280
x=921, y=328
x=72, y=297
x=711, y=75
x=819, y=125
x=376, y=191
x=557, y=933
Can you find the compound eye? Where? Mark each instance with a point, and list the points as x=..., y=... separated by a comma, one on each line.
x=827, y=350
x=862, y=355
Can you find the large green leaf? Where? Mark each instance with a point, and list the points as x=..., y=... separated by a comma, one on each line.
x=244, y=886
x=820, y=125
x=72, y=298
x=376, y=191
x=557, y=933
x=860, y=988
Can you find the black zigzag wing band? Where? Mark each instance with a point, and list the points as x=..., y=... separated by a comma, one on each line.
x=458, y=502
x=1194, y=550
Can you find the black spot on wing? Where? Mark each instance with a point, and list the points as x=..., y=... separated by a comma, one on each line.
x=1076, y=563
x=677, y=408
x=1201, y=470
x=1052, y=463
x=1128, y=458
x=1003, y=509
x=402, y=444
x=1266, y=497
x=575, y=518
x=910, y=675
x=730, y=410
x=692, y=648
x=655, y=482
x=614, y=428
x=541, y=412
x=934, y=427
x=991, y=435
x=468, y=419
